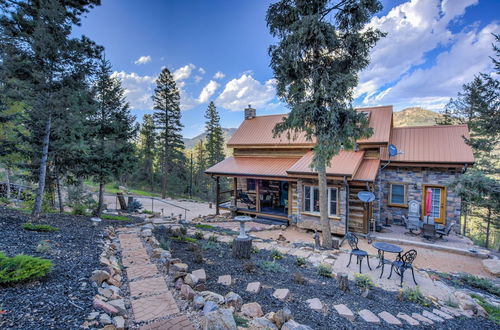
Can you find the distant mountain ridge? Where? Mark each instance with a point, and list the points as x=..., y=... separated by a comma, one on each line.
x=191, y=142
x=415, y=116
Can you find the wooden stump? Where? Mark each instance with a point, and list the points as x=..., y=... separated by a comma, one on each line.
x=335, y=244
x=242, y=247
x=121, y=200
x=343, y=282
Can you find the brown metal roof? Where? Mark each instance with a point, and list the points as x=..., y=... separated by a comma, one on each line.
x=368, y=170
x=345, y=163
x=258, y=131
x=253, y=166
x=431, y=144
x=381, y=122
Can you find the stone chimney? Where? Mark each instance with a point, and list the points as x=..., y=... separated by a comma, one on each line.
x=250, y=112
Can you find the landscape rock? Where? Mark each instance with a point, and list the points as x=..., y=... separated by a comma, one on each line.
x=179, y=283
x=315, y=304
x=344, y=311
x=105, y=319
x=212, y=296
x=221, y=319
x=292, y=325
x=146, y=233
x=281, y=294
x=191, y=280
x=209, y=306
x=198, y=302
x=104, y=306
x=410, y=320
x=119, y=322
x=187, y=292
x=492, y=266
x=119, y=304
x=442, y=314
x=253, y=287
x=179, y=267
x=252, y=310
x=368, y=316
x=105, y=292
x=99, y=276
x=200, y=275
x=282, y=316
x=261, y=323
x=421, y=318
x=389, y=318
x=92, y=316
x=432, y=316
x=234, y=300
x=225, y=280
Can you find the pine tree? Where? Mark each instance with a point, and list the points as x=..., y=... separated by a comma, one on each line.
x=322, y=47
x=112, y=150
x=167, y=119
x=215, y=137
x=200, y=179
x=42, y=60
x=147, y=151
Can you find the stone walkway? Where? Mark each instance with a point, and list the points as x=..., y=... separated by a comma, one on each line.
x=153, y=305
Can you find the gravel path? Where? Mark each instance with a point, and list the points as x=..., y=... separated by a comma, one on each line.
x=63, y=298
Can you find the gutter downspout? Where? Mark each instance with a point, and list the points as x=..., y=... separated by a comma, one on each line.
x=346, y=206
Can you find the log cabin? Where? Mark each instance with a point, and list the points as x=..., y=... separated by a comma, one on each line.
x=272, y=176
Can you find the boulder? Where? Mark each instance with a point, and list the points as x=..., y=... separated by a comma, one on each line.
x=209, y=306
x=105, y=319
x=315, y=304
x=200, y=274
x=261, y=323
x=282, y=316
x=281, y=294
x=292, y=325
x=198, y=302
x=234, y=300
x=492, y=266
x=119, y=322
x=252, y=310
x=119, y=304
x=104, y=306
x=105, y=292
x=146, y=233
x=221, y=319
x=99, y=276
x=225, y=280
x=191, y=280
x=179, y=267
x=253, y=287
x=212, y=296
x=179, y=283
x=187, y=292
x=92, y=316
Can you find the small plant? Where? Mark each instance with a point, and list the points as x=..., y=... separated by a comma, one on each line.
x=213, y=238
x=300, y=261
x=147, y=212
x=254, y=250
x=79, y=209
x=115, y=217
x=493, y=311
x=203, y=226
x=451, y=302
x=249, y=267
x=414, y=295
x=272, y=267
x=276, y=254
x=183, y=230
x=197, y=254
x=299, y=279
x=39, y=227
x=325, y=270
x=22, y=268
x=240, y=321
x=199, y=235
x=43, y=247
x=4, y=200
x=210, y=245
x=134, y=206
x=364, y=282
x=184, y=239
x=164, y=243
x=481, y=283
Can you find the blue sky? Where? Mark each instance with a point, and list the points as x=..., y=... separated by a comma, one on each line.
x=217, y=51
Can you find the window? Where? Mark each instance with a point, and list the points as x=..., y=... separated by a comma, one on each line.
x=311, y=200
x=397, y=194
x=250, y=184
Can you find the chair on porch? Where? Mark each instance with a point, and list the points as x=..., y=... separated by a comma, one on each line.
x=245, y=199
x=360, y=254
x=402, y=263
x=445, y=231
x=429, y=231
x=413, y=220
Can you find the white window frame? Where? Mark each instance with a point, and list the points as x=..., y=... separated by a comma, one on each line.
x=312, y=201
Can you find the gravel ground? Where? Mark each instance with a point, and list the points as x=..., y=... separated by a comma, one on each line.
x=219, y=262
x=63, y=298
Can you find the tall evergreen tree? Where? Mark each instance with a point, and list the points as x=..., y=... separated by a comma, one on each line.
x=167, y=119
x=112, y=150
x=41, y=60
x=215, y=138
x=147, y=151
x=200, y=179
x=323, y=44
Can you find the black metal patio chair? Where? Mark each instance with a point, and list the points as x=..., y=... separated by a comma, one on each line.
x=402, y=263
x=429, y=232
x=445, y=231
x=360, y=254
x=245, y=199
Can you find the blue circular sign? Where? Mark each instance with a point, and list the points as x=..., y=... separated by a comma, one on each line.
x=366, y=196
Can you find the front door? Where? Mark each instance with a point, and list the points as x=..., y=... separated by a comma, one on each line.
x=438, y=203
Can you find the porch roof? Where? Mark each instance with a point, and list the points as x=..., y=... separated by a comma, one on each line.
x=253, y=166
x=368, y=170
x=346, y=163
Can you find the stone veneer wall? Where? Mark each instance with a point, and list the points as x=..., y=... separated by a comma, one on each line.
x=420, y=176
x=313, y=222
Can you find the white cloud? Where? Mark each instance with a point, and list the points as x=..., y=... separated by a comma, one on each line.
x=219, y=75
x=138, y=89
x=184, y=72
x=198, y=78
x=239, y=93
x=143, y=60
x=201, y=70
x=208, y=91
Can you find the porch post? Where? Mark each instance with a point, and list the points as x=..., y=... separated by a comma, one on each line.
x=217, y=195
x=257, y=195
x=235, y=187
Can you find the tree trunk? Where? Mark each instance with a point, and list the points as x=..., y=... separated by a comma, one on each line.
x=343, y=282
x=242, y=248
x=43, y=170
x=164, y=184
x=100, y=203
x=121, y=200
x=59, y=196
x=323, y=209
x=488, y=219
x=8, y=182
x=466, y=213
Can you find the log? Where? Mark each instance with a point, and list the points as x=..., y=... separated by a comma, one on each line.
x=335, y=244
x=242, y=248
x=121, y=200
x=343, y=282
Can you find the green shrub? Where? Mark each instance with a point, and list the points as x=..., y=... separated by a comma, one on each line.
x=213, y=238
x=364, y=282
x=164, y=243
x=115, y=217
x=276, y=254
x=254, y=250
x=198, y=235
x=301, y=262
x=249, y=267
x=79, y=209
x=46, y=207
x=183, y=230
x=147, y=212
x=22, y=268
x=38, y=227
x=210, y=245
x=272, y=267
x=414, y=295
x=493, y=311
x=240, y=321
x=325, y=270
x=203, y=226
x=4, y=200
x=44, y=247
x=299, y=279
x=184, y=239
x=481, y=283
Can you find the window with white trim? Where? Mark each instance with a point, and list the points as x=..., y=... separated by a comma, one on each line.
x=311, y=200
x=397, y=194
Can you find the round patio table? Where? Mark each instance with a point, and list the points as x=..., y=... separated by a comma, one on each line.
x=383, y=247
